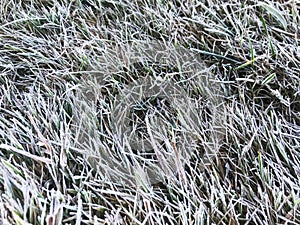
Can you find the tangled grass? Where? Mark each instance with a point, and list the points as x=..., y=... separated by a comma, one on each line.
x=50, y=175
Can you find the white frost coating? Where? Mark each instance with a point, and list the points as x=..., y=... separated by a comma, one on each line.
x=187, y=110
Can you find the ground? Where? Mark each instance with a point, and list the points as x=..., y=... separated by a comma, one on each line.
x=149, y=112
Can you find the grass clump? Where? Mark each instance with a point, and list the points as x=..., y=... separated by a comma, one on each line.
x=67, y=81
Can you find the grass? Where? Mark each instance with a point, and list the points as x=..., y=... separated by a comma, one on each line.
x=214, y=128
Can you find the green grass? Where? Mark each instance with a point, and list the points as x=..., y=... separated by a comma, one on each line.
x=226, y=151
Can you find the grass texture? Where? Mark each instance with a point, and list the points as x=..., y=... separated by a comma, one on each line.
x=211, y=137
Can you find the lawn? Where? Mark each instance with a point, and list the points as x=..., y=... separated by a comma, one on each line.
x=149, y=112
